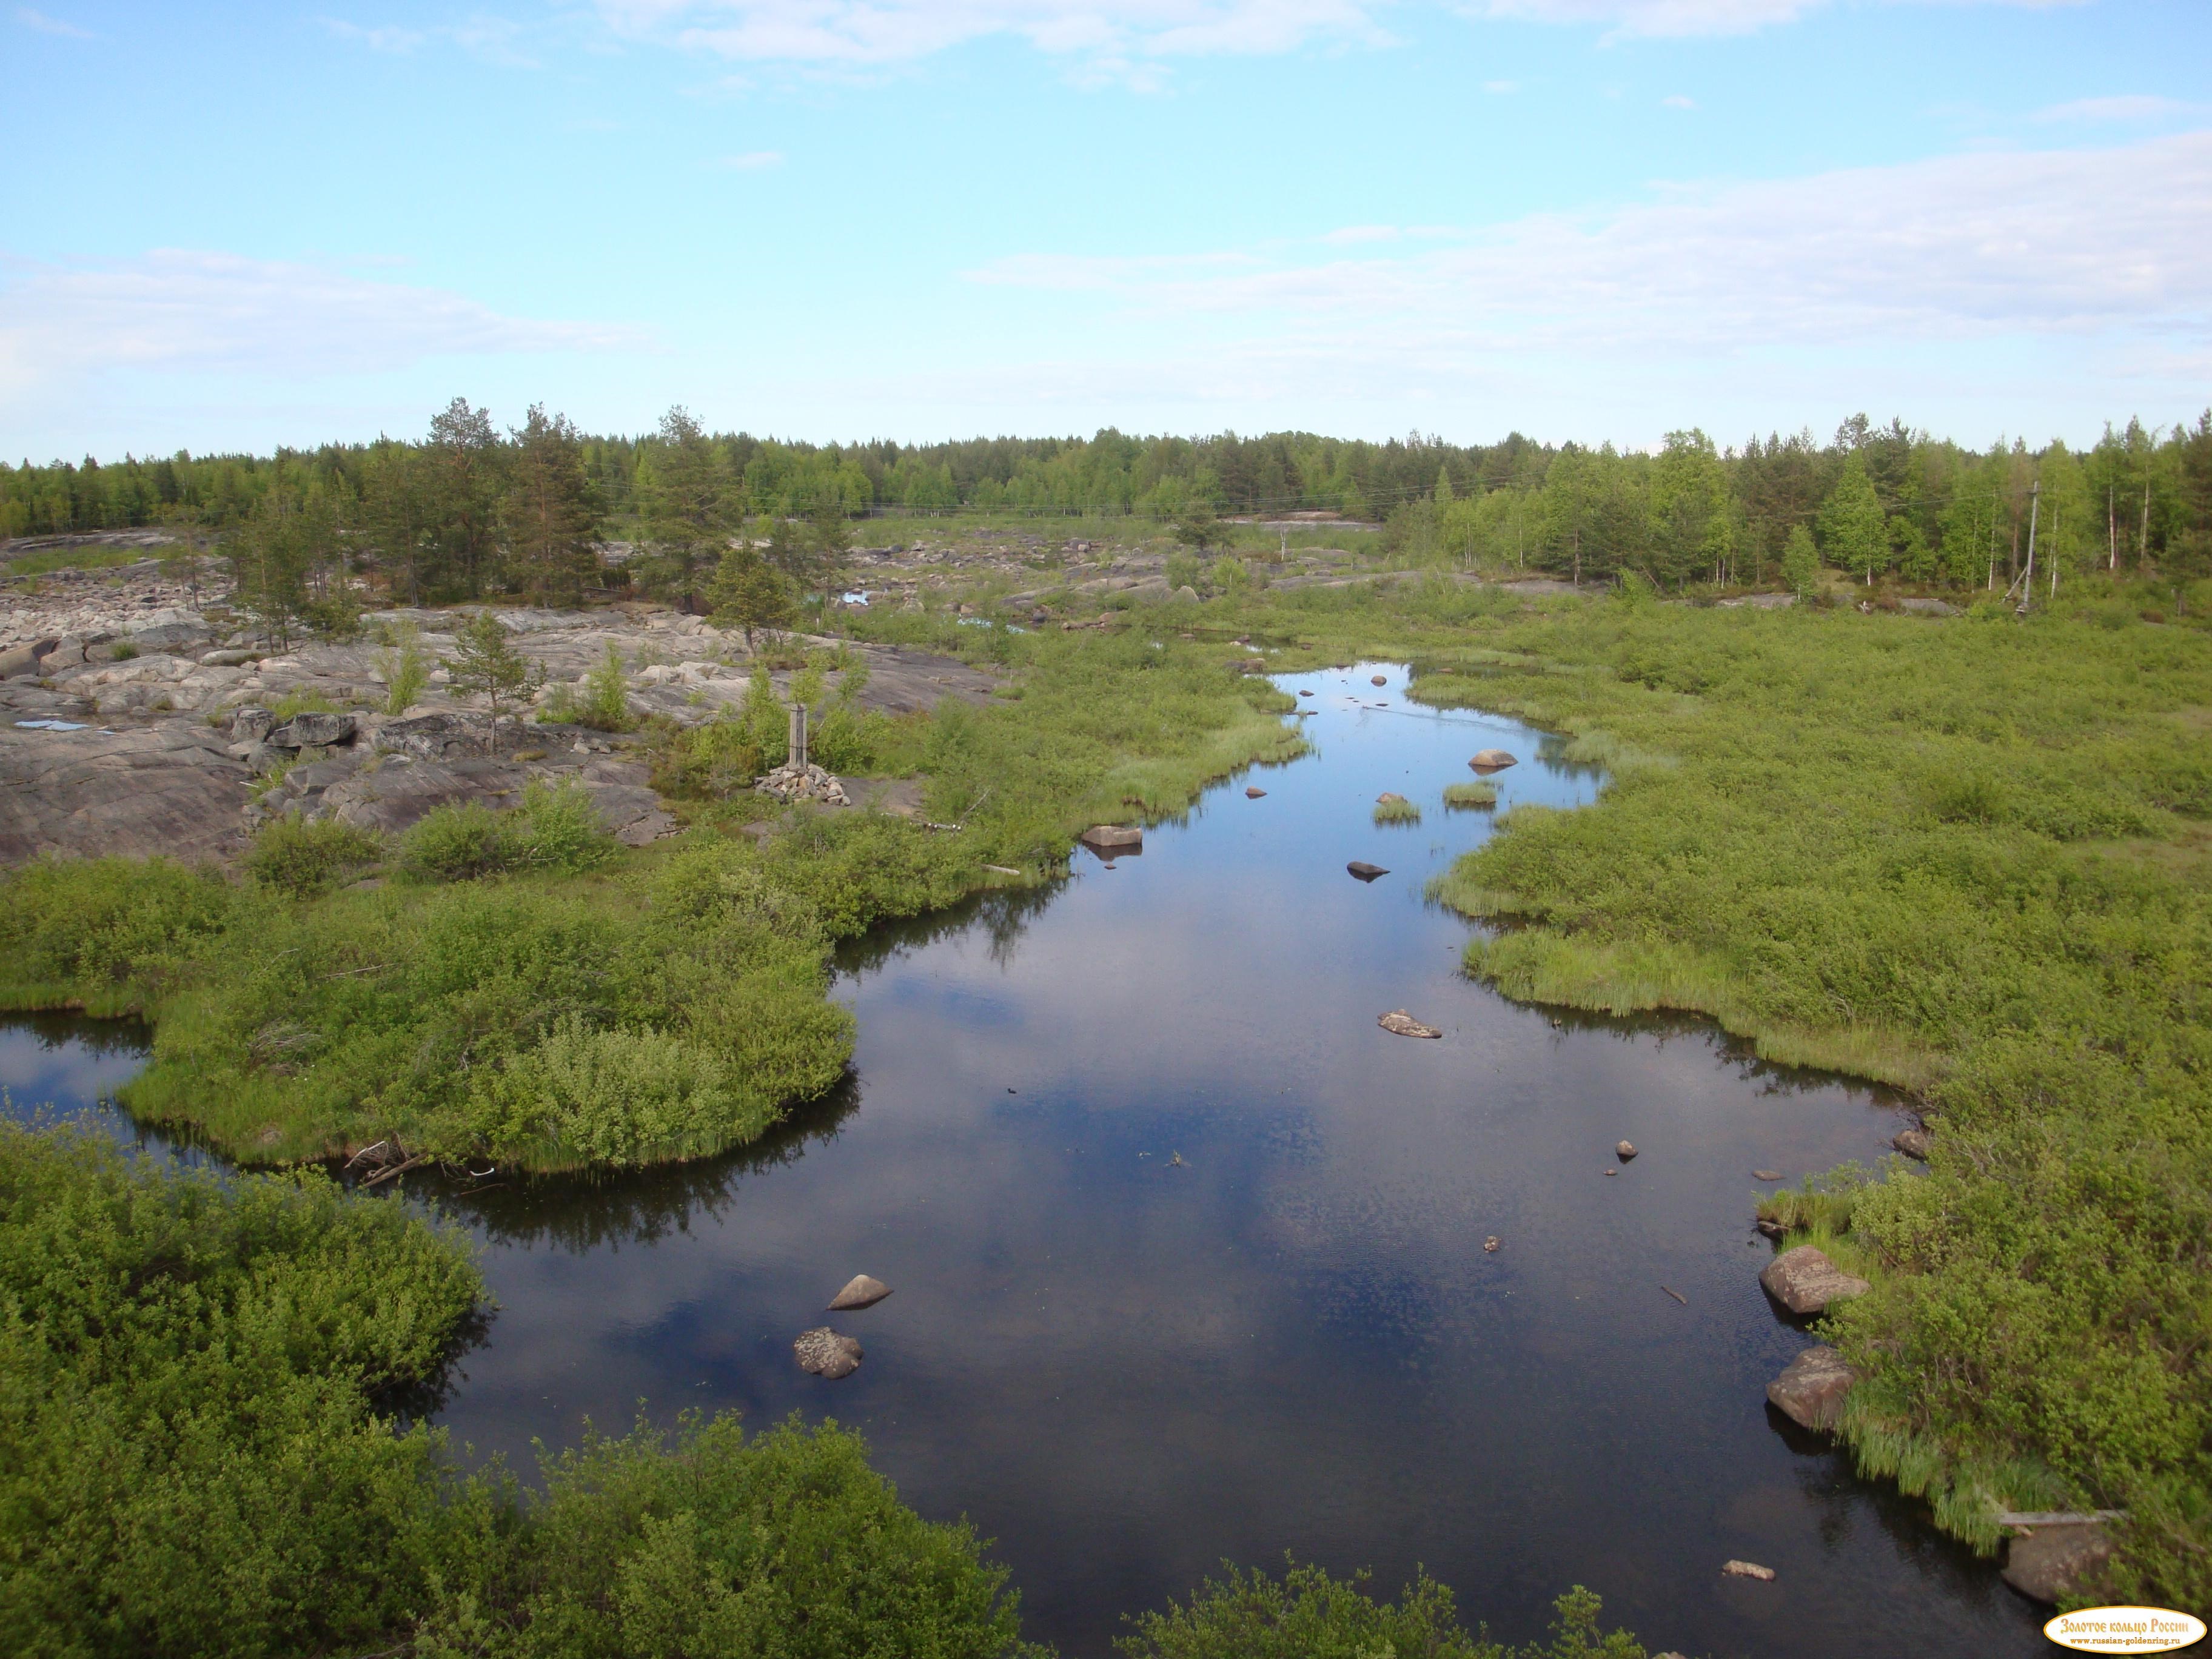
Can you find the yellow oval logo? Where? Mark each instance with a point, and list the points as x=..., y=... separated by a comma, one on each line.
x=2124, y=1630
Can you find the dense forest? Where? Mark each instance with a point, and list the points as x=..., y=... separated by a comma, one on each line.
x=470, y=509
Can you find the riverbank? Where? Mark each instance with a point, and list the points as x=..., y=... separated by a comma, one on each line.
x=1967, y=857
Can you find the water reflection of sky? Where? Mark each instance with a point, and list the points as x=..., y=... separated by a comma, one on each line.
x=1126, y=1369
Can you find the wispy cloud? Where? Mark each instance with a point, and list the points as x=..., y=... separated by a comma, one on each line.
x=389, y=39
x=1665, y=18
x=187, y=310
x=45, y=25
x=1987, y=246
x=751, y=162
x=1677, y=101
x=1114, y=33
x=2130, y=106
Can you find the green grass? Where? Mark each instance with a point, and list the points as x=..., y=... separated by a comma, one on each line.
x=82, y=558
x=1470, y=796
x=1396, y=811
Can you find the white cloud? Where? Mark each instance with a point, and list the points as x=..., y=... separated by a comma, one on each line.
x=1936, y=263
x=2136, y=107
x=388, y=39
x=45, y=25
x=751, y=162
x=1682, y=17
x=1499, y=88
x=1677, y=101
x=177, y=309
x=877, y=32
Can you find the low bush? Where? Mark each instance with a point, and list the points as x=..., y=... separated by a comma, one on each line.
x=303, y=860
x=556, y=829
x=109, y=935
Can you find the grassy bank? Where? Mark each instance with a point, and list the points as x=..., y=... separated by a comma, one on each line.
x=1970, y=857
x=517, y=988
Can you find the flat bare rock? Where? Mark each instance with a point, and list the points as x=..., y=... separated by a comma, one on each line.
x=1810, y=1390
x=2051, y=1562
x=829, y=1354
x=1805, y=1281
x=170, y=786
x=1492, y=760
x=1401, y=1023
x=860, y=1291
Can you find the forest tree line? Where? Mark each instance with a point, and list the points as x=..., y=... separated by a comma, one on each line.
x=471, y=509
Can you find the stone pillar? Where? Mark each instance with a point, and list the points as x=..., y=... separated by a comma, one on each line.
x=798, y=734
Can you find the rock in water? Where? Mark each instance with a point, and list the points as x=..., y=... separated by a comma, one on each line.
x=1805, y=1281
x=1766, y=1175
x=1365, y=871
x=1492, y=760
x=1913, y=1143
x=1810, y=1390
x=1253, y=792
x=826, y=1353
x=1404, y=1024
x=1490, y=1244
x=1625, y=1149
x=1112, y=838
x=1381, y=679
x=2055, y=1561
x=1747, y=1569
x=1387, y=797
x=862, y=1292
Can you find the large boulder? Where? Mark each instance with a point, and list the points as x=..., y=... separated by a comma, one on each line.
x=1492, y=760
x=860, y=1291
x=436, y=736
x=1810, y=1390
x=25, y=658
x=2051, y=1562
x=252, y=725
x=1364, y=871
x=827, y=1353
x=1112, y=838
x=1805, y=1281
x=313, y=731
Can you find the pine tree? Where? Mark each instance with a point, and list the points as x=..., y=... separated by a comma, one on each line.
x=748, y=593
x=684, y=501
x=487, y=663
x=550, y=513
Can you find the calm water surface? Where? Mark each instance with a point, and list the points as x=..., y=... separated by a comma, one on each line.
x=1126, y=1368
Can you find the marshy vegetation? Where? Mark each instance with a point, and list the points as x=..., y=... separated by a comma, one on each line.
x=1476, y=797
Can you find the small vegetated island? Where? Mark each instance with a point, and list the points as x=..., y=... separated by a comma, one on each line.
x=1909, y=754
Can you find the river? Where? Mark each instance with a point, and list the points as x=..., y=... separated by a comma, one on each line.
x=1187, y=1253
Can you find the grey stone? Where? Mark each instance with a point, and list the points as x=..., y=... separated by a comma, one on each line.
x=1401, y=1023
x=826, y=1353
x=1112, y=838
x=166, y=787
x=227, y=659
x=1365, y=871
x=1805, y=1281
x=1253, y=792
x=1492, y=760
x=434, y=736
x=1810, y=1390
x=1625, y=1149
x=1747, y=1569
x=25, y=658
x=167, y=636
x=1913, y=1143
x=250, y=725
x=309, y=730
x=860, y=1291
x=2051, y=1562
x=1186, y=591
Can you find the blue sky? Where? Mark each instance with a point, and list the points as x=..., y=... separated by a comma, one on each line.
x=231, y=226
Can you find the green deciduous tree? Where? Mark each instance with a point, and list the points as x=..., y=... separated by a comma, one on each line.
x=748, y=594
x=1853, y=531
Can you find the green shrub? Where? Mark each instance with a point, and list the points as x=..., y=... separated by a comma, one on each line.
x=303, y=860
x=709, y=762
x=405, y=667
x=460, y=842
x=1307, y=1614
x=122, y=651
x=558, y=827
x=107, y=934
x=604, y=705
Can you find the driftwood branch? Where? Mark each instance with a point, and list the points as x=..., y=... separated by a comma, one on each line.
x=397, y=1168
